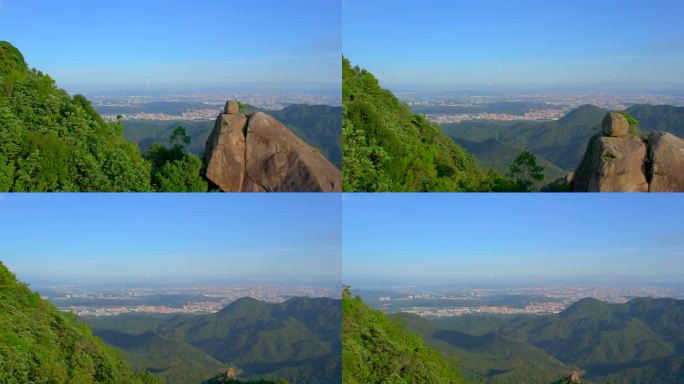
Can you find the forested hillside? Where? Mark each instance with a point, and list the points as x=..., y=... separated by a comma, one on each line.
x=50, y=141
x=388, y=148
x=377, y=350
x=39, y=344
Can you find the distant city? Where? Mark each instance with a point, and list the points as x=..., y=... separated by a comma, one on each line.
x=199, y=299
x=196, y=106
x=535, y=300
x=455, y=108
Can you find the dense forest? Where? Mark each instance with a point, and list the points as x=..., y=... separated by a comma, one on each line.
x=377, y=350
x=39, y=344
x=50, y=141
x=386, y=147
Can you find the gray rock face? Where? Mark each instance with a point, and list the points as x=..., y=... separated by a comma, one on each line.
x=629, y=163
x=257, y=153
x=615, y=125
x=666, y=154
x=612, y=164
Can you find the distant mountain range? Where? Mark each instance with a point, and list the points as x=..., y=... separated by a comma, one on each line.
x=298, y=340
x=561, y=143
x=318, y=125
x=641, y=341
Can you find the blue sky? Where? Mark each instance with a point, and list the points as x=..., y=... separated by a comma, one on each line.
x=262, y=44
x=120, y=238
x=606, y=44
x=512, y=238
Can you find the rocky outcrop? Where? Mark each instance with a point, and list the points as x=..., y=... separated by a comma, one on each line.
x=666, y=154
x=617, y=161
x=257, y=153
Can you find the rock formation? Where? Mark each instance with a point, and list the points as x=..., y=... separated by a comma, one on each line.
x=250, y=153
x=618, y=161
x=666, y=155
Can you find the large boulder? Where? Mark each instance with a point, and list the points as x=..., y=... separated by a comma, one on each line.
x=278, y=160
x=615, y=125
x=666, y=155
x=258, y=153
x=225, y=152
x=232, y=107
x=612, y=164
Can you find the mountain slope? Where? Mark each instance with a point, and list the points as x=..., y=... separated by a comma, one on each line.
x=39, y=344
x=489, y=357
x=175, y=362
x=377, y=350
x=493, y=154
x=562, y=142
x=298, y=340
x=388, y=148
x=50, y=141
x=658, y=118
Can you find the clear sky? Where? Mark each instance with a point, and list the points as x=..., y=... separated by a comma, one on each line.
x=171, y=238
x=512, y=238
x=98, y=45
x=597, y=44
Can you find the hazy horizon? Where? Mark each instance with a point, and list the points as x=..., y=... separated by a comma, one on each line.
x=172, y=238
x=159, y=45
x=512, y=238
x=533, y=44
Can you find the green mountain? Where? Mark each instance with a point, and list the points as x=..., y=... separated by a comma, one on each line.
x=50, y=141
x=489, y=357
x=174, y=361
x=388, y=148
x=318, y=125
x=378, y=350
x=493, y=154
x=40, y=344
x=298, y=340
x=561, y=142
x=641, y=341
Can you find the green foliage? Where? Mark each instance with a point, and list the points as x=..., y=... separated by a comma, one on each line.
x=52, y=142
x=39, y=344
x=388, y=148
x=525, y=172
x=173, y=170
x=377, y=350
x=633, y=123
x=179, y=138
x=244, y=108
